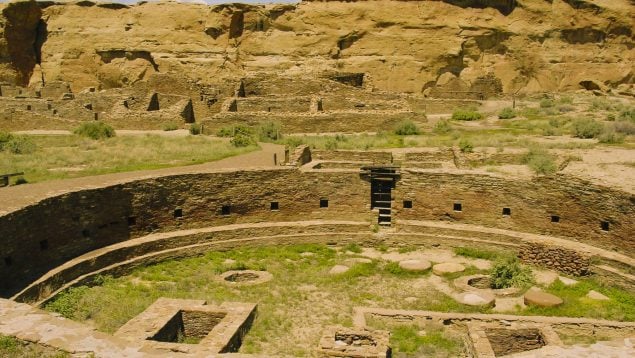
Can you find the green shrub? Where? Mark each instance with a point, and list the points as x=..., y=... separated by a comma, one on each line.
x=68, y=302
x=540, y=161
x=546, y=103
x=95, y=130
x=627, y=114
x=466, y=146
x=610, y=136
x=507, y=113
x=225, y=132
x=566, y=100
x=466, y=115
x=195, y=129
x=442, y=127
x=17, y=144
x=352, y=247
x=406, y=128
x=242, y=140
x=624, y=127
x=610, y=117
x=269, y=131
x=170, y=126
x=508, y=272
x=587, y=128
x=20, y=181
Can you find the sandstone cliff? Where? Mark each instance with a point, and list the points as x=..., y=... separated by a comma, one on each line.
x=403, y=46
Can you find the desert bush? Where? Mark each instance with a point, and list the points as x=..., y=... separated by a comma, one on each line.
x=195, y=129
x=466, y=115
x=601, y=104
x=442, y=127
x=610, y=136
x=466, y=146
x=508, y=272
x=242, y=140
x=507, y=113
x=269, y=131
x=540, y=161
x=565, y=108
x=546, y=103
x=406, y=128
x=624, y=127
x=610, y=117
x=170, y=126
x=586, y=128
x=566, y=100
x=16, y=144
x=627, y=114
x=225, y=132
x=95, y=130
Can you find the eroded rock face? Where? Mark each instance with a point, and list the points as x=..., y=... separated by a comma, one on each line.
x=435, y=47
x=23, y=34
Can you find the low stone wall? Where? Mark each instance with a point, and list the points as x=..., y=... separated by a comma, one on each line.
x=556, y=258
x=352, y=155
x=439, y=155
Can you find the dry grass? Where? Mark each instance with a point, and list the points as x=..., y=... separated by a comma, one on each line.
x=58, y=157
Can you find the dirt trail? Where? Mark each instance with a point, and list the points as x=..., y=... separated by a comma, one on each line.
x=15, y=197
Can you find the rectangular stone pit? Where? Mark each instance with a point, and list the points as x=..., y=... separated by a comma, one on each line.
x=191, y=326
x=339, y=341
x=509, y=341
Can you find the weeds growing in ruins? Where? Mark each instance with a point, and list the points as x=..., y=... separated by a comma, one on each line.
x=16, y=144
x=11, y=347
x=476, y=253
x=540, y=161
x=406, y=128
x=95, y=130
x=507, y=113
x=466, y=115
x=587, y=128
x=509, y=272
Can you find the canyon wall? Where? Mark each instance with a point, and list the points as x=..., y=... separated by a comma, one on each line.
x=401, y=46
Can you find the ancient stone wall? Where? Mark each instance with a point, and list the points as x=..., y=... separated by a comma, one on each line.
x=557, y=258
x=352, y=155
x=82, y=221
x=557, y=205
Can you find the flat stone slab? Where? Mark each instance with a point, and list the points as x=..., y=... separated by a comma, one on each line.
x=535, y=297
x=338, y=269
x=595, y=295
x=477, y=298
x=567, y=281
x=446, y=268
x=415, y=265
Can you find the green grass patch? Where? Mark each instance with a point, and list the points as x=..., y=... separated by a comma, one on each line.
x=621, y=306
x=59, y=157
x=476, y=253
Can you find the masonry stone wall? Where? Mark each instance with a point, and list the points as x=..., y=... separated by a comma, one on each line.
x=352, y=155
x=580, y=207
x=82, y=221
x=557, y=258
x=43, y=236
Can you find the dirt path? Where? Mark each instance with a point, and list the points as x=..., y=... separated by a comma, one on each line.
x=123, y=132
x=15, y=197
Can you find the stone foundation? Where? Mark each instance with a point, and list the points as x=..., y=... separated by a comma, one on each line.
x=556, y=258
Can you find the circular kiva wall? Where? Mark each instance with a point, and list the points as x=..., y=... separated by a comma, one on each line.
x=288, y=204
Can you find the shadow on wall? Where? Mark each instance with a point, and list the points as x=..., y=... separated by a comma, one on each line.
x=67, y=226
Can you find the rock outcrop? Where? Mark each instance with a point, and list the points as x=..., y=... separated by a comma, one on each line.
x=404, y=46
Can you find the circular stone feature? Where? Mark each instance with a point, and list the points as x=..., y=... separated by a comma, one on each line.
x=246, y=277
x=338, y=269
x=534, y=297
x=483, y=282
x=446, y=268
x=477, y=299
x=414, y=265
